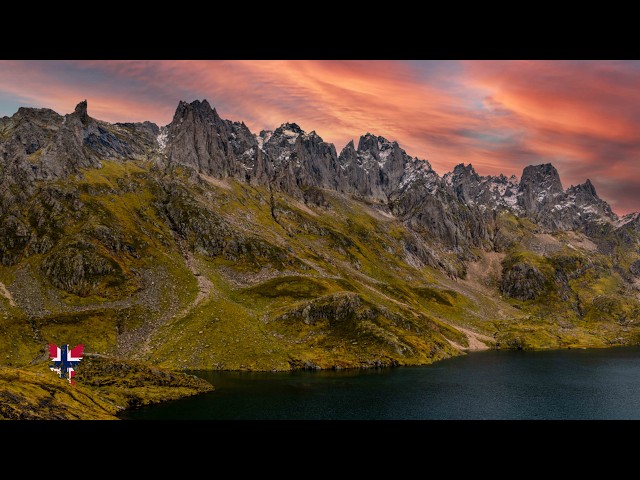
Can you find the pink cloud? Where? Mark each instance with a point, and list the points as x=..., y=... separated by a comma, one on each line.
x=500, y=116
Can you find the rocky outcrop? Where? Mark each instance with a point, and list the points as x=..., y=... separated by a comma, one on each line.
x=198, y=137
x=487, y=193
x=430, y=206
x=540, y=186
x=544, y=201
x=79, y=268
x=335, y=309
x=372, y=171
x=457, y=210
x=23, y=139
x=522, y=281
x=299, y=160
x=39, y=144
x=588, y=206
x=466, y=183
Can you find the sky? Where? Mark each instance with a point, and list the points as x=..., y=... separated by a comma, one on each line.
x=500, y=116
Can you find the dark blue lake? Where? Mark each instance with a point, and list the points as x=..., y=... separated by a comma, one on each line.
x=560, y=384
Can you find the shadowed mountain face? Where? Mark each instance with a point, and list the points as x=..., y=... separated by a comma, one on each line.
x=203, y=245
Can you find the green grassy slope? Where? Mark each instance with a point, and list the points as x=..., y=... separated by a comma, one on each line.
x=105, y=387
x=189, y=272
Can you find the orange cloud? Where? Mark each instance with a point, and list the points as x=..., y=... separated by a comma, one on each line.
x=581, y=115
x=500, y=116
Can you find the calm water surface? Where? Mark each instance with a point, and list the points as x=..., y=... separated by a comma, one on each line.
x=561, y=384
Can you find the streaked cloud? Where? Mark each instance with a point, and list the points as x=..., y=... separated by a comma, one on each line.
x=500, y=116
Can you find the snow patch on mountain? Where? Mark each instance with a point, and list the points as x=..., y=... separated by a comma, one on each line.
x=162, y=138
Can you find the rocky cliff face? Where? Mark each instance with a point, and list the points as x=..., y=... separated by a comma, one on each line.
x=538, y=196
x=540, y=187
x=456, y=210
x=299, y=160
x=42, y=145
x=202, y=233
x=485, y=192
x=199, y=138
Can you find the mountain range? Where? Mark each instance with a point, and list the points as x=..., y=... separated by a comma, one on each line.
x=201, y=244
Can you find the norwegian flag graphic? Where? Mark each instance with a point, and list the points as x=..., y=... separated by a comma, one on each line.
x=64, y=359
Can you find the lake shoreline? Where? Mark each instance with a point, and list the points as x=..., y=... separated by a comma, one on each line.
x=371, y=368
x=598, y=383
x=392, y=365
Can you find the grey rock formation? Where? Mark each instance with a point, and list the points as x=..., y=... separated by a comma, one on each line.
x=588, y=204
x=488, y=192
x=299, y=160
x=457, y=210
x=523, y=282
x=540, y=186
x=374, y=170
x=466, y=183
x=539, y=196
x=429, y=206
x=39, y=144
x=543, y=200
x=24, y=138
x=198, y=137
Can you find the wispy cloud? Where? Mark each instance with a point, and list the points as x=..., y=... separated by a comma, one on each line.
x=500, y=116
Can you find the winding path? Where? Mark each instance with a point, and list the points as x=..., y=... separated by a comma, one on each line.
x=205, y=287
x=7, y=294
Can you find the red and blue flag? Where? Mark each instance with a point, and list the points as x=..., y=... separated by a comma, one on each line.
x=64, y=359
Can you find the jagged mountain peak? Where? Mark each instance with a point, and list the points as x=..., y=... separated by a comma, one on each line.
x=586, y=187
x=196, y=104
x=81, y=111
x=288, y=129
x=539, y=186
x=197, y=109
x=285, y=136
x=265, y=134
x=31, y=112
x=350, y=146
x=465, y=170
x=375, y=144
x=502, y=179
x=199, y=138
x=545, y=172
x=466, y=167
x=378, y=167
x=368, y=143
x=294, y=160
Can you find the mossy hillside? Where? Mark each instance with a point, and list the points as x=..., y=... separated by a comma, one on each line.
x=584, y=302
x=105, y=386
x=364, y=265
x=137, y=249
x=90, y=242
x=268, y=257
x=19, y=347
x=333, y=325
x=38, y=395
x=229, y=330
